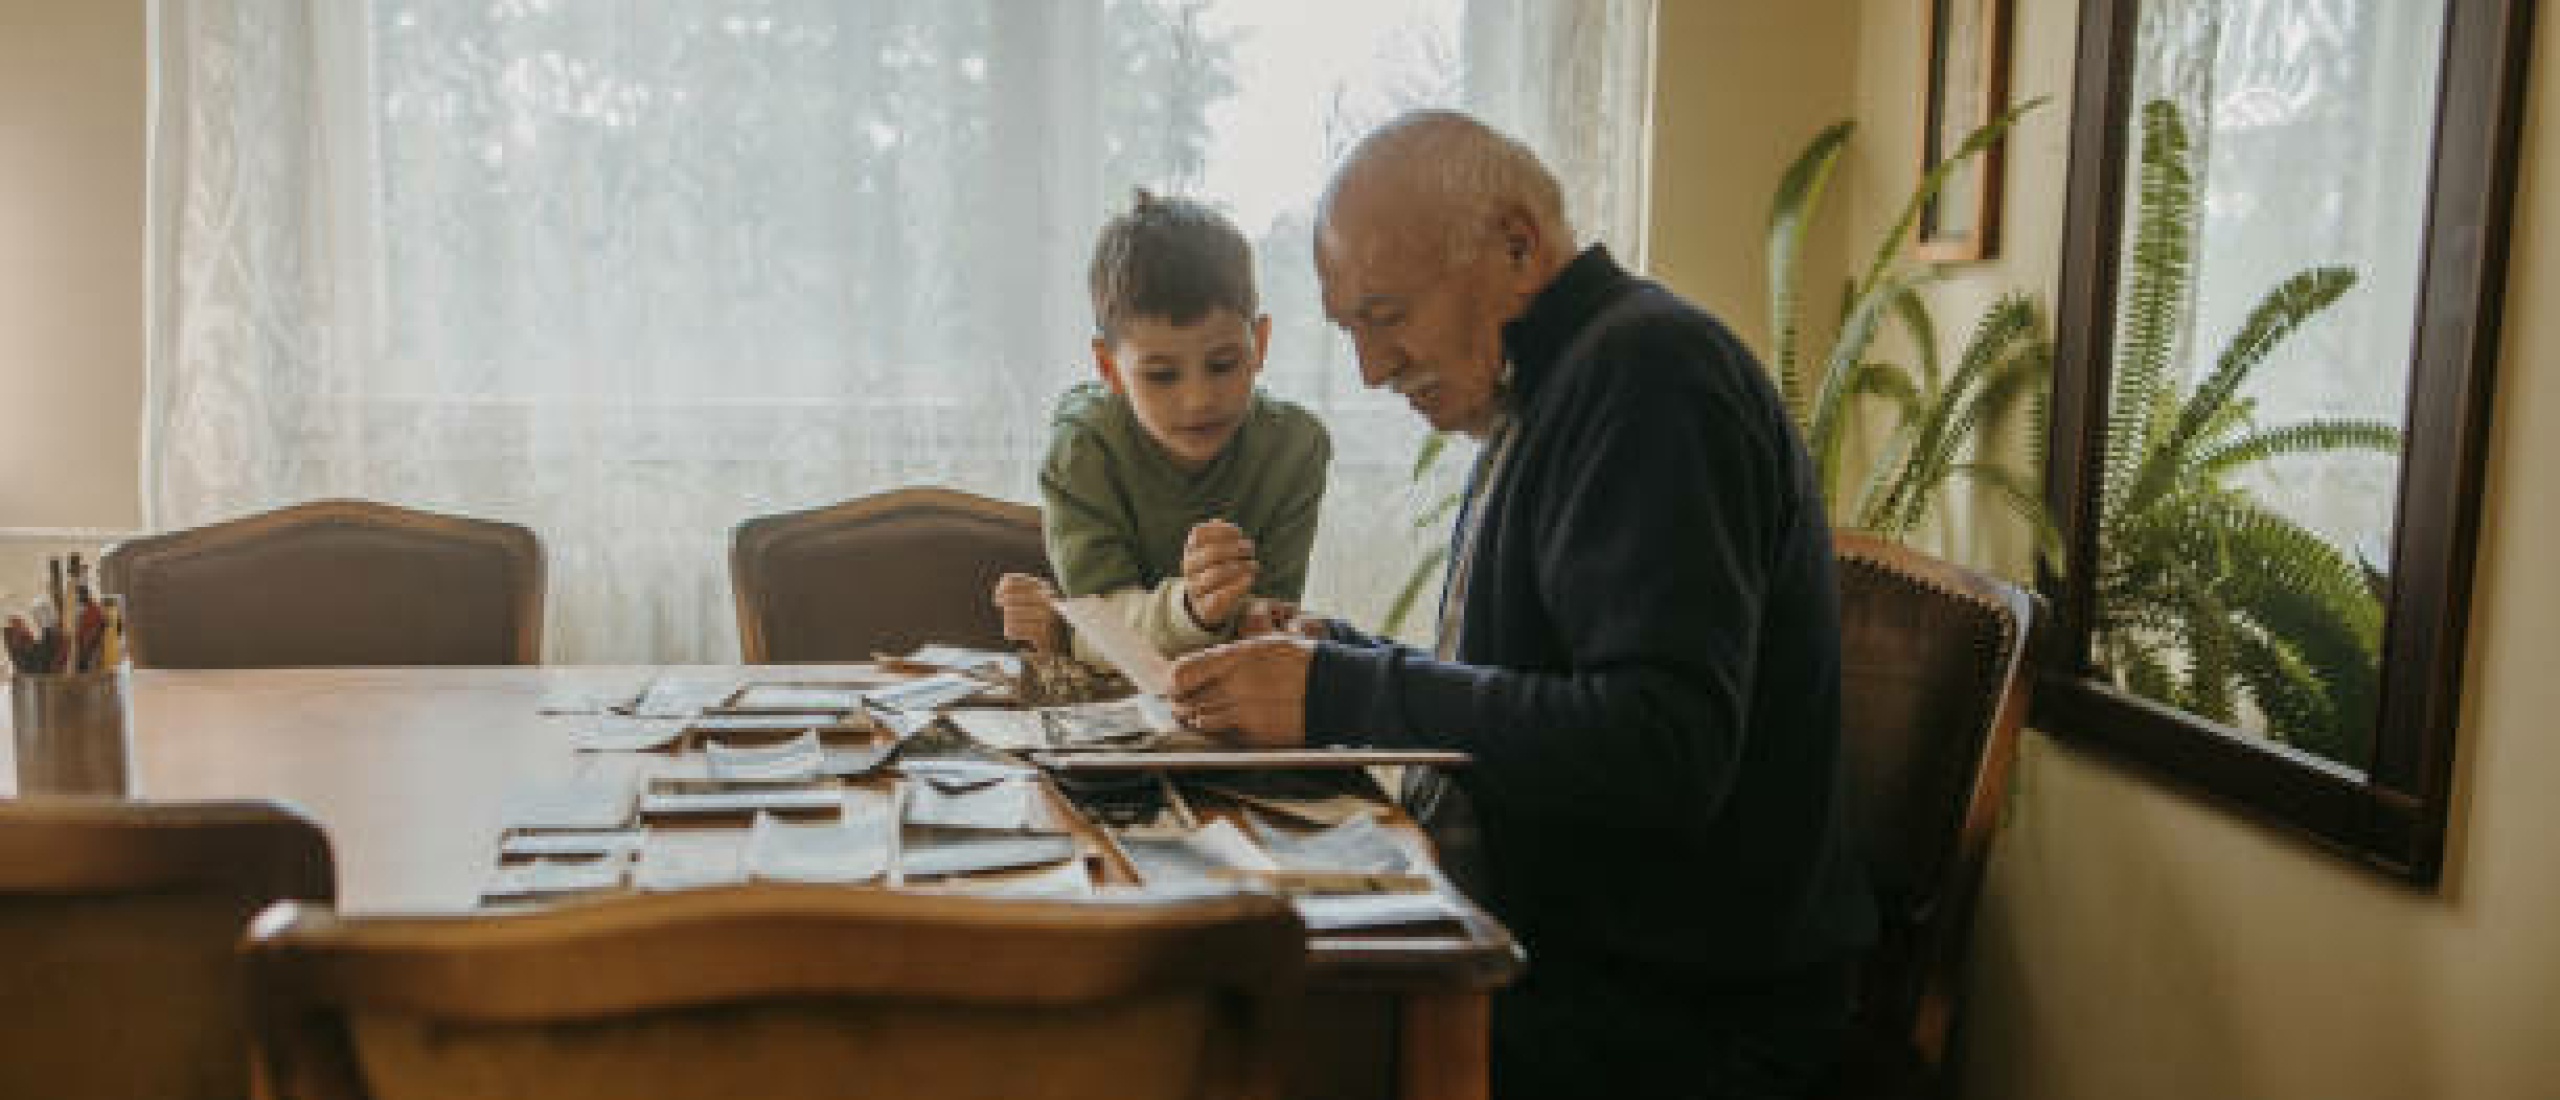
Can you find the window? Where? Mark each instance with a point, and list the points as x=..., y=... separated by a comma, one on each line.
x=2270, y=396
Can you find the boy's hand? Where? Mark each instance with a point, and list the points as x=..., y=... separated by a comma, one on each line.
x=1217, y=572
x=1028, y=616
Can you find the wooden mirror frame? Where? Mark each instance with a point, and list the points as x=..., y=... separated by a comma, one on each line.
x=2392, y=815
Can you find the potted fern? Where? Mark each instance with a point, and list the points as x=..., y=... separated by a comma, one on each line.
x=2207, y=599
x=1937, y=412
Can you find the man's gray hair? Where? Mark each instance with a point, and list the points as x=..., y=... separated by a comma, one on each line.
x=1461, y=166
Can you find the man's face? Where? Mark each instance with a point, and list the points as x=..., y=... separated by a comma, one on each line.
x=1189, y=384
x=1422, y=325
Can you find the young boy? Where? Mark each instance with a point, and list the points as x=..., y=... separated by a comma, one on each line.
x=1174, y=488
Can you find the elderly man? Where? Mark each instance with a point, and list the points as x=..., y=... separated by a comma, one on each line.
x=1639, y=638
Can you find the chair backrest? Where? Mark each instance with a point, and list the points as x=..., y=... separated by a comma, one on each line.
x=881, y=574
x=332, y=582
x=120, y=924
x=779, y=992
x=1934, y=686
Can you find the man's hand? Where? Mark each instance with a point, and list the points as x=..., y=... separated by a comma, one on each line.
x=1217, y=572
x=1255, y=690
x=1028, y=616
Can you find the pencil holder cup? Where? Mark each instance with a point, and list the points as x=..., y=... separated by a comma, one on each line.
x=74, y=731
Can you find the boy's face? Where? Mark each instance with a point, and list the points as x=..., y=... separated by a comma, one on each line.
x=1188, y=384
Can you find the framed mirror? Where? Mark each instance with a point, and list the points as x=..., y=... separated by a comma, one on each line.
x=2284, y=255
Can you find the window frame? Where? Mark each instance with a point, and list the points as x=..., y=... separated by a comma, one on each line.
x=2392, y=814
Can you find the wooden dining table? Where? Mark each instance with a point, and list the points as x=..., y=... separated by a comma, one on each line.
x=409, y=770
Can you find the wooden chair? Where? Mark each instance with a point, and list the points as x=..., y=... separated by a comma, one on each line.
x=120, y=974
x=780, y=992
x=1934, y=686
x=881, y=574
x=333, y=582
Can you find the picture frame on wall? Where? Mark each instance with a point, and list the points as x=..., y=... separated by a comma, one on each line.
x=1967, y=84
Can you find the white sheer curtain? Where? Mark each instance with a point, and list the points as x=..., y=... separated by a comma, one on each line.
x=2313, y=127
x=628, y=274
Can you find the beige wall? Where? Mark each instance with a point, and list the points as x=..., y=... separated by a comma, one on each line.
x=2137, y=943
x=1741, y=86
x=71, y=119
x=71, y=122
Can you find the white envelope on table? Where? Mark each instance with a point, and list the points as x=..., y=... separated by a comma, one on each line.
x=1135, y=657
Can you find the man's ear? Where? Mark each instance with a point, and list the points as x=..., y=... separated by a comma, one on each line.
x=1519, y=235
x=1105, y=365
x=1528, y=256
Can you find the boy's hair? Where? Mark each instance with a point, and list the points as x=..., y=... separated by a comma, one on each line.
x=1172, y=259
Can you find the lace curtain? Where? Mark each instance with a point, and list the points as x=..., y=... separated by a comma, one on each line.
x=2313, y=127
x=629, y=274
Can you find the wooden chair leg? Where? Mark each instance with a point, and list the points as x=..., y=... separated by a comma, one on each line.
x=1445, y=1046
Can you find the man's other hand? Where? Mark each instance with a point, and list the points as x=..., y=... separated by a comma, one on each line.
x=1254, y=690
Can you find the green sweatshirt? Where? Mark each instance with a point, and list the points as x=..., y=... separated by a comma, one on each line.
x=1116, y=510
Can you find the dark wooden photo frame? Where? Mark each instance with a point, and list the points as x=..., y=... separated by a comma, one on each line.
x=2390, y=813
x=1966, y=84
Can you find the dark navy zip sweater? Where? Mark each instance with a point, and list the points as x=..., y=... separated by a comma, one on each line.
x=1648, y=669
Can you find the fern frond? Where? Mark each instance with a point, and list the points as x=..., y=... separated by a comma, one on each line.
x=1939, y=432
x=2006, y=356
x=2344, y=672
x=2206, y=631
x=2284, y=310
x=2308, y=437
x=2146, y=670
x=2237, y=416
x=2155, y=296
x=2284, y=687
x=1889, y=382
x=1799, y=196
x=1892, y=458
x=2283, y=554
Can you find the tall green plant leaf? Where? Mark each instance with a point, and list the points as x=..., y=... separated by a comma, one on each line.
x=1799, y=197
x=1923, y=330
x=1826, y=424
x=1414, y=581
